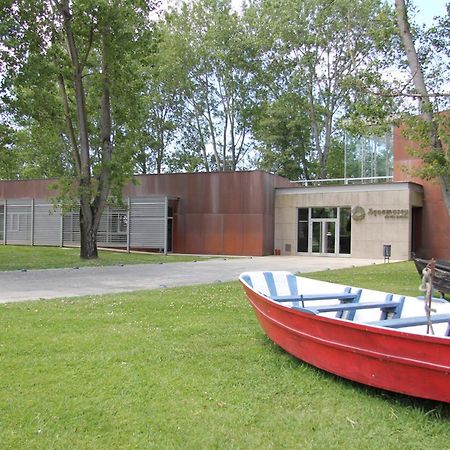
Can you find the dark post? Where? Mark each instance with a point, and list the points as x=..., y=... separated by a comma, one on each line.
x=386, y=252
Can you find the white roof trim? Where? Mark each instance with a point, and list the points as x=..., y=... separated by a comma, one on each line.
x=379, y=187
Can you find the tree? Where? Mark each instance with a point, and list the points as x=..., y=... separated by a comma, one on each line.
x=430, y=126
x=283, y=129
x=206, y=53
x=67, y=67
x=321, y=50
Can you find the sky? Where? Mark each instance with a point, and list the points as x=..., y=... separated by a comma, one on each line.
x=427, y=9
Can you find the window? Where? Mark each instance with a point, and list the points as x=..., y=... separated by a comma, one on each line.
x=303, y=230
x=323, y=213
x=345, y=230
x=118, y=223
x=15, y=222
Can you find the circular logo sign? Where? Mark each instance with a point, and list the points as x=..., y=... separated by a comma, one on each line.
x=358, y=213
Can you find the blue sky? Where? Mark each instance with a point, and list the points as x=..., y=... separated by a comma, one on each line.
x=427, y=9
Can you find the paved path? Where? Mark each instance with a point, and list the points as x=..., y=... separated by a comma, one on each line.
x=56, y=283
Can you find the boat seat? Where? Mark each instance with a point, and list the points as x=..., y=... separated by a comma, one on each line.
x=344, y=297
x=406, y=322
x=248, y=280
x=387, y=307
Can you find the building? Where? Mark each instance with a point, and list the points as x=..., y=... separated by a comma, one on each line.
x=230, y=213
x=246, y=213
x=347, y=220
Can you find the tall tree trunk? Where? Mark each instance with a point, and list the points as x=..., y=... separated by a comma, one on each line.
x=88, y=249
x=426, y=107
x=88, y=235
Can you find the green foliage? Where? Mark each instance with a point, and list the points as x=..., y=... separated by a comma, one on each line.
x=208, y=88
x=435, y=161
x=73, y=81
x=205, y=53
x=9, y=164
x=283, y=128
x=431, y=75
x=183, y=368
x=320, y=51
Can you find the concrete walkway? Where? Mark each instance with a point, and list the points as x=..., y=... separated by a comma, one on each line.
x=58, y=283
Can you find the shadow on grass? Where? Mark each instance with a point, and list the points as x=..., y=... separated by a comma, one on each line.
x=433, y=410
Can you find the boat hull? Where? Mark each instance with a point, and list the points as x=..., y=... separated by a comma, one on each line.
x=408, y=363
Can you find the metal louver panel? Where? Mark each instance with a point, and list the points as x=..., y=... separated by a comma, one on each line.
x=46, y=224
x=148, y=217
x=18, y=222
x=112, y=231
x=71, y=228
x=36, y=222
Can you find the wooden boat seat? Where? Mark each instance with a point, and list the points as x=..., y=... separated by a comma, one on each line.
x=348, y=301
x=388, y=308
x=406, y=322
x=345, y=296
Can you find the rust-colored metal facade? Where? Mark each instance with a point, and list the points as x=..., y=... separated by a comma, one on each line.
x=222, y=213
x=431, y=224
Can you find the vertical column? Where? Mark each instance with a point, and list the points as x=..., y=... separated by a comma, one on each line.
x=128, y=224
x=5, y=216
x=32, y=223
x=166, y=211
x=61, y=237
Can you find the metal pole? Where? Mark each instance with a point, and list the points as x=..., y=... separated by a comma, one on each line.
x=166, y=207
x=62, y=228
x=129, y=225
x=5, y=212
x=345, y=157
x=32, y=223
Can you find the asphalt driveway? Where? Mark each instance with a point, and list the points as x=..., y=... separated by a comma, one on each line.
x=57, y=283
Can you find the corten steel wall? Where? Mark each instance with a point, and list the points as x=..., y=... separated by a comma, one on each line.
x=434, y=227
x=228, y=213
x=25, y=189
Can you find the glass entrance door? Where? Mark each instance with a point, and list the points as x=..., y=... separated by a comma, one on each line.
x=323, y=236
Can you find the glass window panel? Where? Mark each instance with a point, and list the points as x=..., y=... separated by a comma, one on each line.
x=302, y=241
x=317, y=237
x=303, y=214
x=330, y=242
x=324, y=213
x=345, y=230
x=123, y=223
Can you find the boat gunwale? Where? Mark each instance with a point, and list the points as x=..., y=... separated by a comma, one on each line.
x=348, y=348
x=363, y=326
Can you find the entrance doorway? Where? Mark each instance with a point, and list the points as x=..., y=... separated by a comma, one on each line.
x=324, y=231
x=323, y=235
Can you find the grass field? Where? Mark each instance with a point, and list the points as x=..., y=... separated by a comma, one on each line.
x=186, y=368
x=15, y=257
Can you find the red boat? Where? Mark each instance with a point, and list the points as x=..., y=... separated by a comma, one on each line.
x=366, y=336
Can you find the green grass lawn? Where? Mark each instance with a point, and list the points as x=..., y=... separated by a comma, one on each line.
x=15, y=257
x=184, y=368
